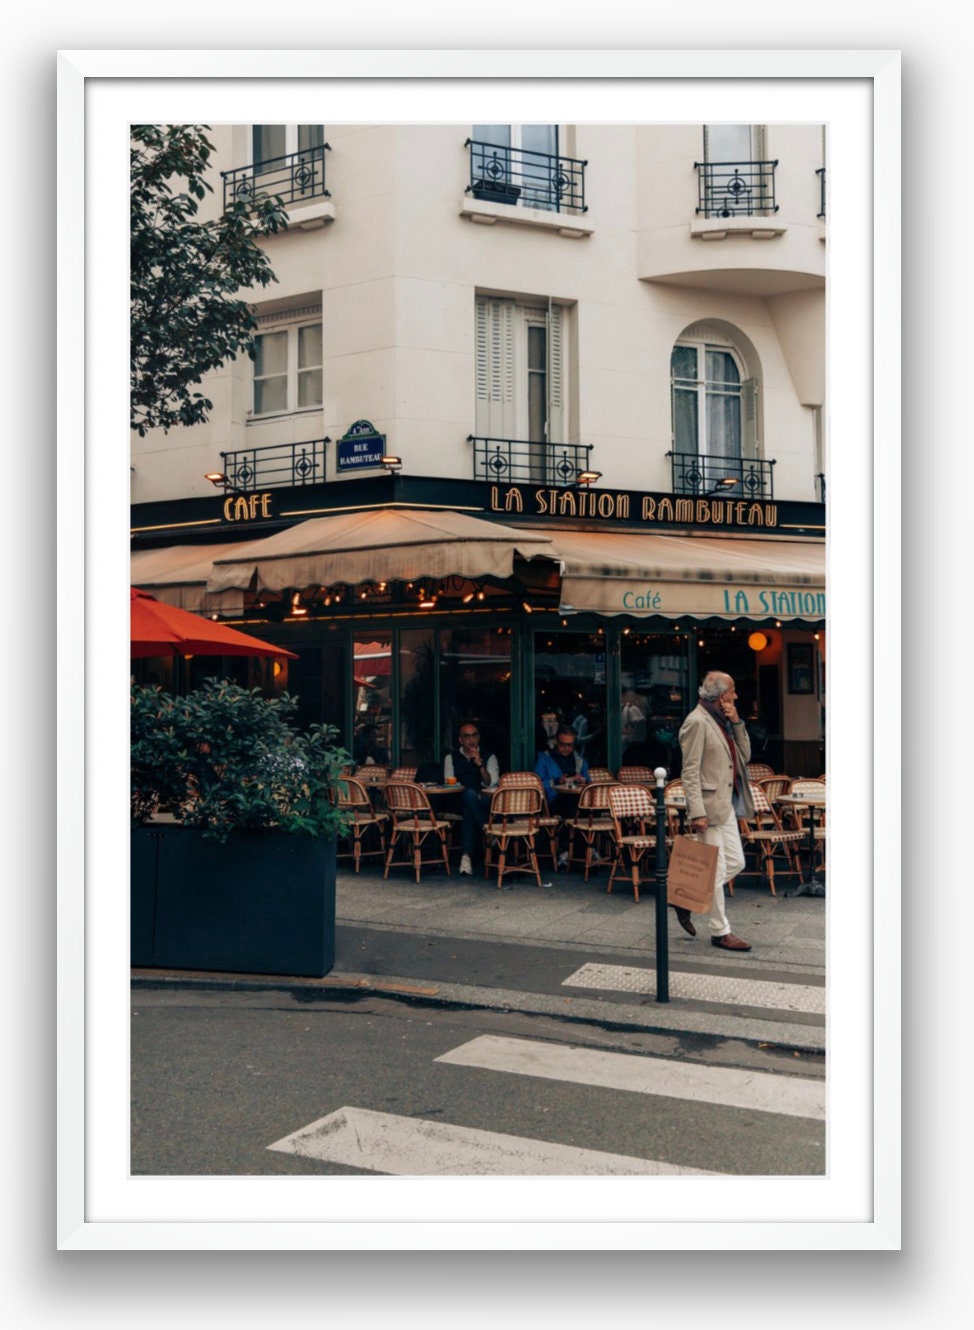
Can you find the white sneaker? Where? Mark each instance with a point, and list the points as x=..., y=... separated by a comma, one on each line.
x=563, y=859
x=465, y=865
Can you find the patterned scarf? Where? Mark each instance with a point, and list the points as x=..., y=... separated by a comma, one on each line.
x=728, y=732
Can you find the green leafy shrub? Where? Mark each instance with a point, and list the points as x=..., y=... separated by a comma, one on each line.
x=224, y=758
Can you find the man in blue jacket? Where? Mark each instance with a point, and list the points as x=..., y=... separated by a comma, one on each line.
x=555, y=764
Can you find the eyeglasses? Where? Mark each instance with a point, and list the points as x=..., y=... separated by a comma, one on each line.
x=566, y=743
x=470, y=734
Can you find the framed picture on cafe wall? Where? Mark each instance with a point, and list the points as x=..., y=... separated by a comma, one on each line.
x=801, y=668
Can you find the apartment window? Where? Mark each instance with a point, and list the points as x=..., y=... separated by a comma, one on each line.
x=709, y=395
x=520, y=164
x=287, y=368
x=521, y=370
x=272, y=142
x=736, y=177
x=714, y=406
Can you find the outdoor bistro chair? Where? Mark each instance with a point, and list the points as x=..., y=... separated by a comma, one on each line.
x=759, y=770
x=404, y=773
x=413, y=822
x=599, y=775
x=635, y=776
x=512, y=825
x=774, y=785
x=548, y=822
x=764, y=834
x=633, y=830
x=814, y=789
x=353, y=798
x=592, y=823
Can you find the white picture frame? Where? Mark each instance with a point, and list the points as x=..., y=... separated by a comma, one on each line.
x=102, y=1207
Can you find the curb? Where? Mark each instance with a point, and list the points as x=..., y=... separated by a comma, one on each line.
x=677, y=1016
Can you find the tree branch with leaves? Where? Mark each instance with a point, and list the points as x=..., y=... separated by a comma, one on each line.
x=187, y=317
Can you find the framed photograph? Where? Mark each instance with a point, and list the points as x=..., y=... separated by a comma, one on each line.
x=852, y=1203
x=801, y=668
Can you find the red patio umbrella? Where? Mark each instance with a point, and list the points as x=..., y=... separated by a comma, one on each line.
x=164, y=630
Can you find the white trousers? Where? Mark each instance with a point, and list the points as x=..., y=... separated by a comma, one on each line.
x=730, y=861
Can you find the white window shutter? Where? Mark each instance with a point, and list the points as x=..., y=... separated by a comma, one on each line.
x=749, y=418
x=495, y=368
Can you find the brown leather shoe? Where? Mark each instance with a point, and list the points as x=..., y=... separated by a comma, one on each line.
x=686, y=923
x=730, y=943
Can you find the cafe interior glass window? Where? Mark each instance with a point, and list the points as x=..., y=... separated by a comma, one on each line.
x=287, y=369
x=714, y=404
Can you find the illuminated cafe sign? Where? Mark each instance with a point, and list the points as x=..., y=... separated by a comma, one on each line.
x=247, y=507
x=360, y=446
x=720, y=514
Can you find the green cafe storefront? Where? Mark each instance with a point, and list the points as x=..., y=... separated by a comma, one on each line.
x=414, y=604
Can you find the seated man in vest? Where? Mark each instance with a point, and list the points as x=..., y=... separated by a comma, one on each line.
x=478, y=772
x=554, y=765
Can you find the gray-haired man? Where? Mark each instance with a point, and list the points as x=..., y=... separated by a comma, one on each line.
x=716, y=750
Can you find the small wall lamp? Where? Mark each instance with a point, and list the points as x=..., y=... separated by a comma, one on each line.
x=392, y=463
x=757, y=641
x=216, y=477
x=588, y=477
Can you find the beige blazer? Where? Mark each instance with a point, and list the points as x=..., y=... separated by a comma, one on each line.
x=708, y=770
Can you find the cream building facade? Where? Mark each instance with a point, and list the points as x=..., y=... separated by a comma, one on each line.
x=647, y=302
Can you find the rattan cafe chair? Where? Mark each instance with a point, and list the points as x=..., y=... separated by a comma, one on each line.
x=764, y=834
x=635, y=776
x=353, y=798
x=413, y=823
x=633, y=831
x=814, y=789
x=592, y=825
x=759, y=771
x=599, y=775
x=512, y=827
x=549, y=823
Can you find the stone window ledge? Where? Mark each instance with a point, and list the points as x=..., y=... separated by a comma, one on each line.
x=487, y=214
x=311, y=216
x=719, y=228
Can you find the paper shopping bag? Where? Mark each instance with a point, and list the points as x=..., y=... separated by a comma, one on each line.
x=690, y=875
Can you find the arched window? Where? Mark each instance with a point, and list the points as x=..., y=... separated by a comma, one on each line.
x=714, y=405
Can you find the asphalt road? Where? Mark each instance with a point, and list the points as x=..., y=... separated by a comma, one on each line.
x=219, y=1077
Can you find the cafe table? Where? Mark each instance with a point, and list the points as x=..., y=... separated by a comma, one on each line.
x=813, y=885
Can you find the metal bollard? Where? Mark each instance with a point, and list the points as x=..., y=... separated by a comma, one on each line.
x=662, y=922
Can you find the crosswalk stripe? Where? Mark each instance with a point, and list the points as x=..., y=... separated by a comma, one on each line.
x=702, y=987
x=416, y=1147
x=730, y=1087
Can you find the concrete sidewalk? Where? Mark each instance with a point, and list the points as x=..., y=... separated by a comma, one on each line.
x=518, y=948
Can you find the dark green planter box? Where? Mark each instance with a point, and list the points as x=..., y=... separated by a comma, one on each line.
x=262, y=903
x=490, y=191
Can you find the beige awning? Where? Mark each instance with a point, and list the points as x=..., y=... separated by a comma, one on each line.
x=616, y=572
x=177, y=575
x=382, y=545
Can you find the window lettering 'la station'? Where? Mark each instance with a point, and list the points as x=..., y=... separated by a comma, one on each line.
x=613, y=504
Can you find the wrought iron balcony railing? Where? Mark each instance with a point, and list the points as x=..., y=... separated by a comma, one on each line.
x=736, y=189
x=276, y=465
x=821, y=185
x=523, y=176
x=702, y=474
x=510, y=461
x=294, y=178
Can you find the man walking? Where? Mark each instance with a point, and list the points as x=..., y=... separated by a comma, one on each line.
x=716, y=750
